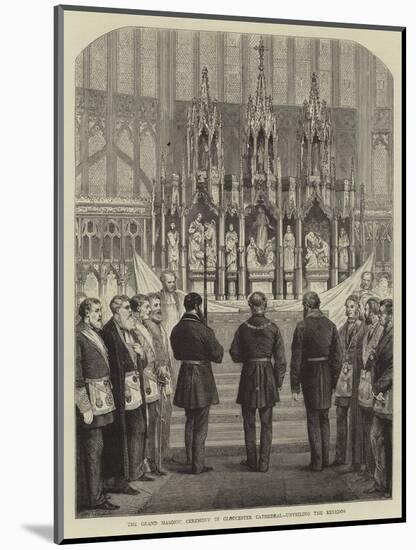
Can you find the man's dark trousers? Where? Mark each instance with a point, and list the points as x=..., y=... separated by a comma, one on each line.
x=92, y=443
x=318, y=434
x=249, y=419
x=197, y=430
x=342, y=433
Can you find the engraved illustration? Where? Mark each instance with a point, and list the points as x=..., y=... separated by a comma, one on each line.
x=234, y=265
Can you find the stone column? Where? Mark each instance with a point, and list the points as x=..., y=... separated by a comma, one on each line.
x=352, y=244
x=182, y=218
x=153, y=245
x=163, y=236
x=145, y=249
x=299, y=259
x=334, y=252
x=242, y=259
x=279, y=236
x=83, y=131
x=111, y=183
x=221, y=250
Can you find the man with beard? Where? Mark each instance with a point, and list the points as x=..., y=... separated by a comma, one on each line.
x=367, y=343
x=94, y=401
x=258, y=344
x=315, y=366
x=346, y=392
x=365, y=291
x=141, y=307
x=125, y=444
x=163, y=372
x=195, y=345
x=172, y=310
x=381, y=361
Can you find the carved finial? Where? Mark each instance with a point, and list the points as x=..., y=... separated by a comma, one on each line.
x=261, y=49
x=205, y=84
x=162, y=167
x=314, y=93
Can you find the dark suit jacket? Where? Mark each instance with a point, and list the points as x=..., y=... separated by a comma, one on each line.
x=192, y=340
x=116, y=458
x=316, y=336
x=258, y=338
x=351, y=343
x=382, y=363
x=89, y=363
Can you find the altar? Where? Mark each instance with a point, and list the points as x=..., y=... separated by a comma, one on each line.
x=228, y=235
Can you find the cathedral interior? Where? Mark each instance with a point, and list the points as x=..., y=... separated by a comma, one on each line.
x=240, y=162
x=263, y=162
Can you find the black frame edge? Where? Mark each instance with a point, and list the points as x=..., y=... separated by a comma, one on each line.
x=59, y=275
x=58, y=527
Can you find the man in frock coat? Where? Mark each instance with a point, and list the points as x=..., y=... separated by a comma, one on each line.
x=346, y=393
x=258, y=344
x=195, y=345
x=315, y=367
x=381, y=361
x=95, y=405
x=125, y=444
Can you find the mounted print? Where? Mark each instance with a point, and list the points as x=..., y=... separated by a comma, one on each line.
x=229, y=268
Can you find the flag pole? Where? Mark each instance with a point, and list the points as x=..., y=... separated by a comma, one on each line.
x=205, y=280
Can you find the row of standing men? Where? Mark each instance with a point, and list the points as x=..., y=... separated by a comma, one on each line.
x=125, y=381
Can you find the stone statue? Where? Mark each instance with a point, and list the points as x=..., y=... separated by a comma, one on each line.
x=211, y=243
x=173, y=248
x=317, y=251
x=292, y=193
x=260, y=157
x=252, y=254
x=175, y=200
x=269, y=252
x=260, y=227
x=289, y=243
x=231, y=241
x=343, y=250
x=196, y=243
x=204, y=164
x=322, y=252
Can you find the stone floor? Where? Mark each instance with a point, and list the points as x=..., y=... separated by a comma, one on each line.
x=231, y=486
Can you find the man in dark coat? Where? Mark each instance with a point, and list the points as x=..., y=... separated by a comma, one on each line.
x=195, y=345
x=382, y=383
x=315, y=366
x=366, y=344
x=258, y=344
x=346, y=391
x=94, y=401
x=125, y=444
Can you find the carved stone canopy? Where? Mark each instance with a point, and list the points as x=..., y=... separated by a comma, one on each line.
x=316, y=116
x=260, y=108
x=203, y=112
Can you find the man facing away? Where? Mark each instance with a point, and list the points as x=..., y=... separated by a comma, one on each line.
x=125, y=444
x=164, y=376
x=381, y=361
x=195, y=345
x=94, y=400
x=346, y=391
x=258, y=344
x=315, y=366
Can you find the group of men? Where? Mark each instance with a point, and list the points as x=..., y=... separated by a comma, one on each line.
x=355, y=364
x=127, y=379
